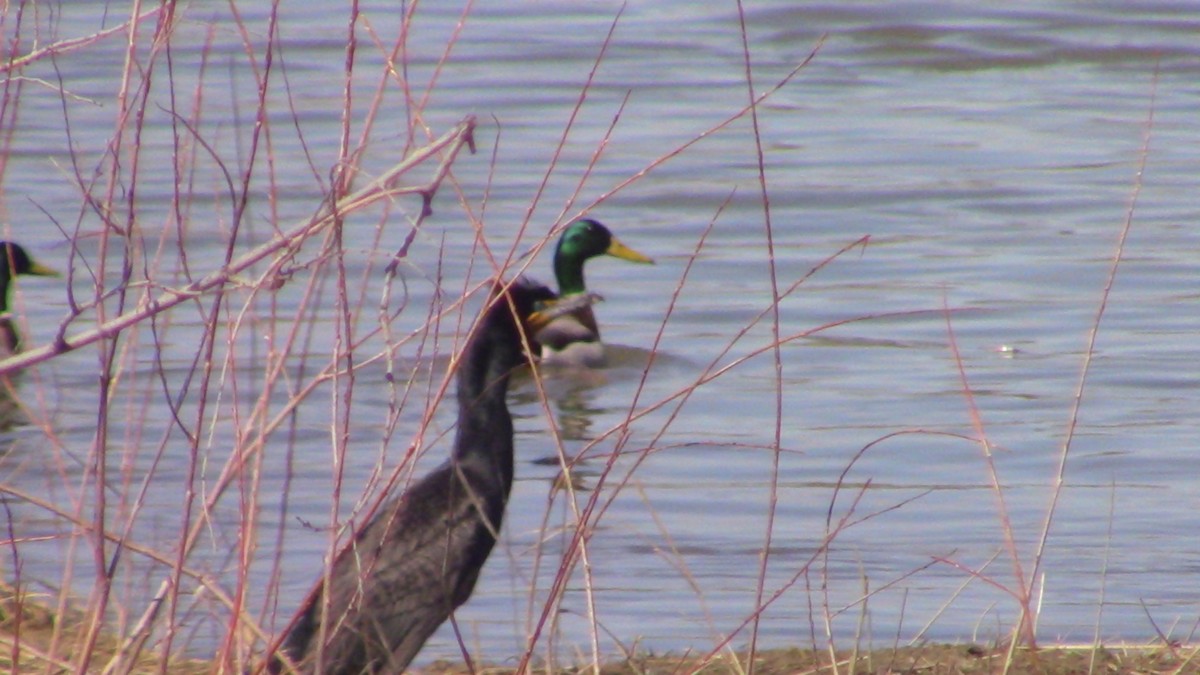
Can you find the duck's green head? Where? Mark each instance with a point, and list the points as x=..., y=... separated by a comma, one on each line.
x=14, y=262
x=583, y=239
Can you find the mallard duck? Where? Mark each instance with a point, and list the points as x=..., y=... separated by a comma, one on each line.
x=574, y=339
x=419, y=557
x=14, y=262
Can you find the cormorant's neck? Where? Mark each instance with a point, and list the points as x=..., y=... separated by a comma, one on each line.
x=485, y=430
x=568, y=272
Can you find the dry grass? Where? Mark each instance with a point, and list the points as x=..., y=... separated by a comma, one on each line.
x=235, y=300
x=928, y=659
x=28, y=628
x=33, y=638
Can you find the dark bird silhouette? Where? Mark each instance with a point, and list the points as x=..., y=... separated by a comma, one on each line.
x=574, y=338
x=14, y=262
x=419, y=557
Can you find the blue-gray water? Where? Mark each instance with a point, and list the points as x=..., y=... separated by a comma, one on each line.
x=991, y=154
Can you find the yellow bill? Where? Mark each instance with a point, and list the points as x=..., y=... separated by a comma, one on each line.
x=619, y=250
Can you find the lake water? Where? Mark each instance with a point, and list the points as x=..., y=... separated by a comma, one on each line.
x=990, y=153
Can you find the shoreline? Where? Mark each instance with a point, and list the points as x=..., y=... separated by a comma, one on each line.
x=33, y=638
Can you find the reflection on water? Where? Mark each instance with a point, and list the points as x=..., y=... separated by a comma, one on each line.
x=990, y=152
x=574, y=414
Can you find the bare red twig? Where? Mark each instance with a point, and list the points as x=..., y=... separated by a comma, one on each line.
x=383, y=187
x=63, y=47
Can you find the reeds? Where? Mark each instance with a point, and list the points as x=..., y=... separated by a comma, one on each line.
x=295, y=327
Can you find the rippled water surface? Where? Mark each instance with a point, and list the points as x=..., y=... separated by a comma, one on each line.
x=992, y=155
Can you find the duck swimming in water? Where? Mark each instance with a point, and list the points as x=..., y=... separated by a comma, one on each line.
x=574, y=338
x=14, y=262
